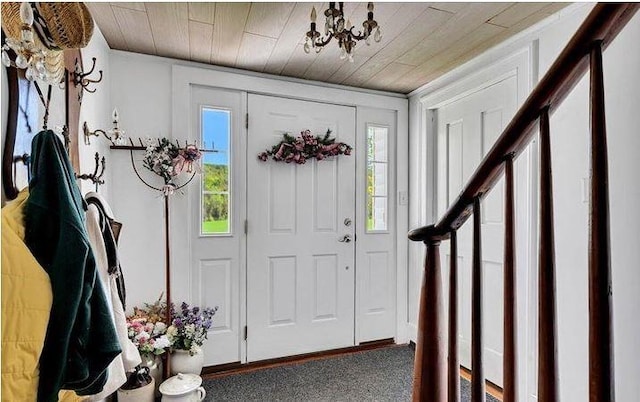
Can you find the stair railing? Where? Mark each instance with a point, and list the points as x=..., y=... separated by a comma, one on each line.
x=436, y=370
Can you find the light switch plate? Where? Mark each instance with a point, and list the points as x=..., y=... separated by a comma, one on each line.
x=403, y=198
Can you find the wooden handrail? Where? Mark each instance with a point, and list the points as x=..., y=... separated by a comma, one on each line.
x=603, y=24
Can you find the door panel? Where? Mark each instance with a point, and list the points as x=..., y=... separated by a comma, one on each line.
x=300, y=283
x=467, y=129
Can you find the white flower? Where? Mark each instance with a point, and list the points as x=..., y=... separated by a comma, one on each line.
x=160, y=328
x=143, y=335
x=162, y=342
x=172, y=332
x=194, y=349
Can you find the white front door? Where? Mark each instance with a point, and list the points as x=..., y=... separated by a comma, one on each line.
x=467, y=129
x=300, y=276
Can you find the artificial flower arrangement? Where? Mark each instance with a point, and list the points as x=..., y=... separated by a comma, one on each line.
x=305, y=146
x=147, y=330
x=168, y=160
x=189, y=327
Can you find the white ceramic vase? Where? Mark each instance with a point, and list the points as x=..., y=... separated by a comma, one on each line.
x=154, y=362
x=142, y=394
x=183, y=362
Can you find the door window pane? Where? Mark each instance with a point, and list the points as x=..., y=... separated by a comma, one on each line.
x=377, y=178
x=216, y=172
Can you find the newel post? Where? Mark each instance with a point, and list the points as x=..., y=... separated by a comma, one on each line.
x=429, y=374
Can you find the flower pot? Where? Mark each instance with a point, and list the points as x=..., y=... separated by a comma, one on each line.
x=154, y=362
x=183, y=362
x=142, y=394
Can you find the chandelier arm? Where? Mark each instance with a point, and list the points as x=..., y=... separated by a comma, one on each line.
x=358, y=36
x=323, y=42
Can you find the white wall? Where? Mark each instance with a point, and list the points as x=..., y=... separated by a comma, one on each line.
x=96, y=111
x=570, y=141
x=141, y=90
x=570, y=152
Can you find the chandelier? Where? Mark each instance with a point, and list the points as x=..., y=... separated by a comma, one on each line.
x=336, y=27
x=38, y=62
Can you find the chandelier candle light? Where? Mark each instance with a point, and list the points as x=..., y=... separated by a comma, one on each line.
x=336, y=27
x=39, y=62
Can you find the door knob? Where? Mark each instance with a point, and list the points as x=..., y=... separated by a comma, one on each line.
x=345, y=239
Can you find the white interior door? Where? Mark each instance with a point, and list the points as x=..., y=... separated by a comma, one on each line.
x=300, y=277
x=467, y=129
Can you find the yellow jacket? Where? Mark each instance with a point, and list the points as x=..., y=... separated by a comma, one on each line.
x=26, y=303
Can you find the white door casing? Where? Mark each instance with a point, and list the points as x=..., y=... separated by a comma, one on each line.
x=467, y=129
x=300, y=278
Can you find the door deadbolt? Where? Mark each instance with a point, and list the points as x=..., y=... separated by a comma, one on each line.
x=347, y=222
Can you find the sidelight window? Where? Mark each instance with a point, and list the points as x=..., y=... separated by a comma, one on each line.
x=377, y=178
x=216, y=174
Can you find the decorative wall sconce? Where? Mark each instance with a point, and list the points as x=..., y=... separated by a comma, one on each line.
x=80, y=77
x=95, y=177
x=115, y=135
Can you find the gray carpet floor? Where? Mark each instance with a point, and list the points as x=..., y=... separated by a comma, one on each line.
x=376, y=375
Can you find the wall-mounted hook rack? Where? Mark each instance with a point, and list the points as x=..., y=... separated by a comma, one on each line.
x=143, y=146
x=80, y=77
x=95, y=177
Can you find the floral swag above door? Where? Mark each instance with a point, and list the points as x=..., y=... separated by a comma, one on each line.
x=305, y=146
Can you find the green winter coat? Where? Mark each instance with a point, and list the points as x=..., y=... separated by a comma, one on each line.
x=81, y=340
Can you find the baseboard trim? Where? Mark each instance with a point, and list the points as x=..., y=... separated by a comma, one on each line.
x=491, y=388
x=223, y=370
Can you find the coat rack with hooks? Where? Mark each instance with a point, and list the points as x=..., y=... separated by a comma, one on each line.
x=79, y=77
x=95, y=177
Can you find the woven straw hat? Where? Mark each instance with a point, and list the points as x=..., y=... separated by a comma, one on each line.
x=58, y=25
x=11, y=22
x=63, y=25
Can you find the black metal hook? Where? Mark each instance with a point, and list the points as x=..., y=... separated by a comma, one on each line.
x=95, y=177
x=80, y=77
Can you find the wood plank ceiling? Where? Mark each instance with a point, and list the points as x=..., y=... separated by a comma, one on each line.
x=420, y=41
